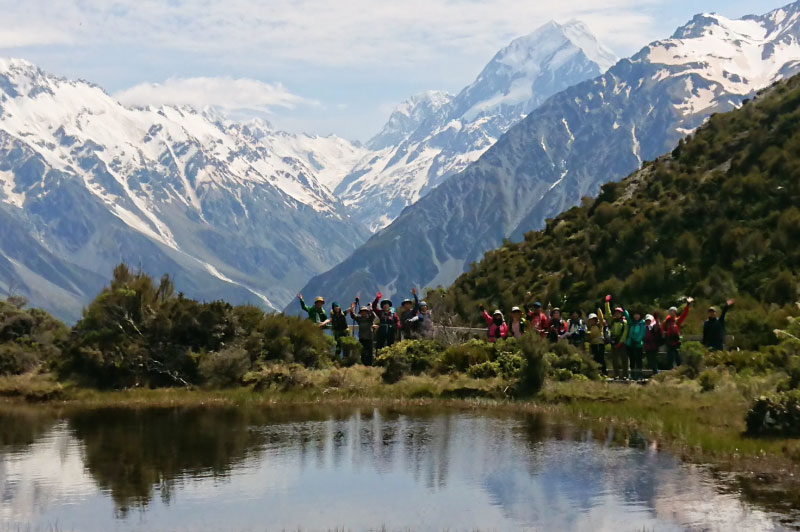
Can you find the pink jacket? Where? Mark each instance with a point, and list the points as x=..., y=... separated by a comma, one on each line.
x=495, y=331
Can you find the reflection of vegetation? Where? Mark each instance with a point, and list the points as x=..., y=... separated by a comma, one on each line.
x=21, y=426
x=129, y=452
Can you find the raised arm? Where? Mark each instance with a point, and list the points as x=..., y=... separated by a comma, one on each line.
x=608, y=305
x=485, y=315
x=685, y=312
x=728, y=304
x=375, y=307
x=416, y=300
x=302, y=303
x=624, y=335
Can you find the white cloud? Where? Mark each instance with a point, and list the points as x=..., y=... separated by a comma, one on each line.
x=19, y=37
x=224, y=93
x=343, y=32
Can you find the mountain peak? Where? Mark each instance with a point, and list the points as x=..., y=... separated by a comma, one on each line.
x=521, y=75
x=408, y=116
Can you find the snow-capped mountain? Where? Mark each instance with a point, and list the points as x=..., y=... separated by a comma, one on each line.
x=230, y=210
x=434, y=135
x=598, y=131
x=409, y=115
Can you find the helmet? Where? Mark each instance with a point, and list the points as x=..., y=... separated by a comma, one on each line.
x=319, y=299
x=515, y=309
x=673, y=309
x=649, y=317
x=537, y=305
x=619, y=309
x=423, y=303
x=386, y=302
x=334, y=305
x=592, y=316
x=407, y=301
x=497, y=313
x=365, y=309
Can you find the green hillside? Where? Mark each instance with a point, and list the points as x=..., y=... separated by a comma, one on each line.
x=718, y=217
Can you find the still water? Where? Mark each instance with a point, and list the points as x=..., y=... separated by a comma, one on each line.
x=358, y=469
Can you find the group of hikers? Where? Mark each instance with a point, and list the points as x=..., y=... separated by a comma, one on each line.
x=632, y=336
x=379, y=324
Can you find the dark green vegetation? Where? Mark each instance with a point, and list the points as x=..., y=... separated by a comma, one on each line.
x=718, y=218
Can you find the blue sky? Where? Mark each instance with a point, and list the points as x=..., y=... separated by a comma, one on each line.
x=318, y=66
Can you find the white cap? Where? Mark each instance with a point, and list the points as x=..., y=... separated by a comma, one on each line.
x=592, y=316
x=649, y=317
x=496, y=312
x=515, y=309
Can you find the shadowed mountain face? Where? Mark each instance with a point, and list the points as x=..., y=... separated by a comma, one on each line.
x=229, y=210
x=590, y=134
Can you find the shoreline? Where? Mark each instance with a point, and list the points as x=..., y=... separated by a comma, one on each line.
x=697, y=427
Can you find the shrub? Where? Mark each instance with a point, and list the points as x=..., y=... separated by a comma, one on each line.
x=15, y=359
x=775, y=416
x=693, y=354
x=408, y=356
x=224, y=368
x=534, y=369
x=484, y=370
x=351, y=351
x=708, y=380
x=562, y=374
x=741, y=361
x=396, y=366
x=576, y=362
x=510, y=364
x=461, y=357
x=792, y=380
x=286, y=377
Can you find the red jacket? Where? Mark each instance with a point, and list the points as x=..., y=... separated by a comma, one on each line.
x=671, y=329
x=538, y=322
x=495, y=331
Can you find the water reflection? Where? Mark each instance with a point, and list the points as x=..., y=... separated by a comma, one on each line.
x=257, y=469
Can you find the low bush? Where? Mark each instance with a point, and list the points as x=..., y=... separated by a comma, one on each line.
x=351, y=351
x=280, y=376
x=534, y=368
x=510, y=364
x=569, y=358
x=224, y=368
x=15, y=359
x=408, y=356
x=792, y=380
x=709, y=379
x=693, y=355
x=777, y=415
x=740, y=361
x=461, y=357
x=484, y=370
